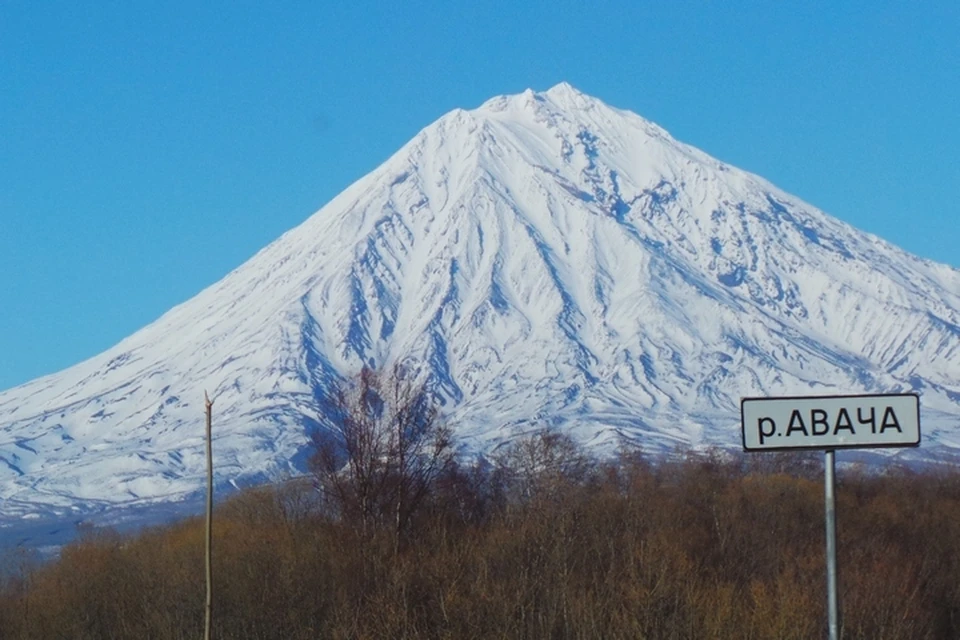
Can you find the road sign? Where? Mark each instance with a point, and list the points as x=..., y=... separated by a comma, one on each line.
x=830, y=422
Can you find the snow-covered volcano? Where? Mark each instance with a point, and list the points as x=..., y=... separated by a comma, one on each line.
x=546, y=259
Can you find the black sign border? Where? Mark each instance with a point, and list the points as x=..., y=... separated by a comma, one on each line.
x=898, y=445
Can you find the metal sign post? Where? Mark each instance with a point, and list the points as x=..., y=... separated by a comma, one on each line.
x=830, y=423
x=829, y=491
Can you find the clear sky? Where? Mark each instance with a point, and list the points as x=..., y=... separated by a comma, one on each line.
x=147, y=149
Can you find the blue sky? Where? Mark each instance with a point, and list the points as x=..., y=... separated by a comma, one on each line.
x=147, y=149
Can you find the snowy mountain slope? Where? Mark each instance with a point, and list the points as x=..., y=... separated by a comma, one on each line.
x=545, y=259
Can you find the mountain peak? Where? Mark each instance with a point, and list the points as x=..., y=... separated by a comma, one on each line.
x=567, y=93
x=562, y=96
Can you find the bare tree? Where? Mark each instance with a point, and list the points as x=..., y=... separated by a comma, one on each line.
x=389, y=451
x=541, y=464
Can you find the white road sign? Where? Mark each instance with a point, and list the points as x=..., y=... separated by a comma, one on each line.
x=830, y=422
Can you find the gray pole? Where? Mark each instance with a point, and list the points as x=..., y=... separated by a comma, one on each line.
x=208, y=608
x=830, y=478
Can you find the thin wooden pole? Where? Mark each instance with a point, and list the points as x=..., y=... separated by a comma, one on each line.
x=208, y=609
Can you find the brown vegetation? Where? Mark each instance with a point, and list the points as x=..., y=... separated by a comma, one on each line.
x=542, y=543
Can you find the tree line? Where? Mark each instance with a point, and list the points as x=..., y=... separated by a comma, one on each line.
x=394, y=535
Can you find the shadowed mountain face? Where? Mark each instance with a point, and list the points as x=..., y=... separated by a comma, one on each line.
x=544, y=259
